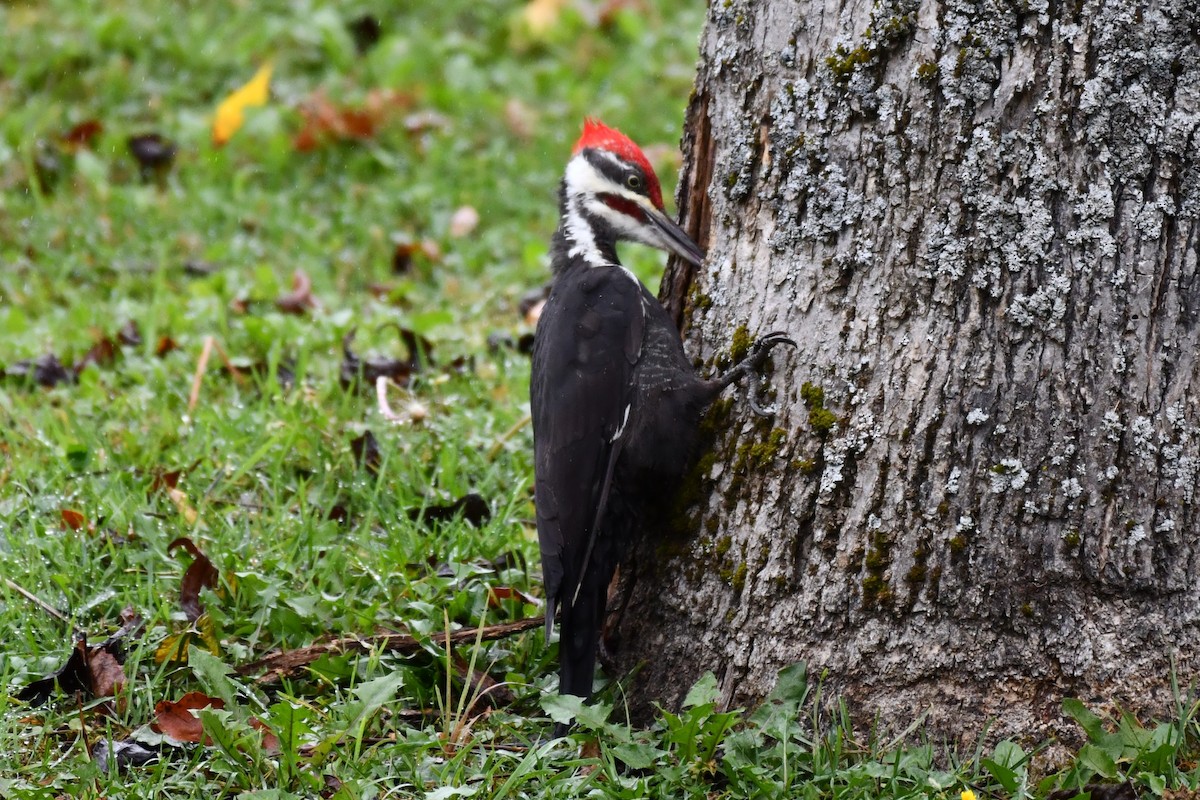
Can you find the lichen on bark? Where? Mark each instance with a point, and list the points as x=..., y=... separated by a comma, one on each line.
x=979, y=221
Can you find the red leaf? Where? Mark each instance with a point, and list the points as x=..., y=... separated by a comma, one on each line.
x=73, y=519
x=270, y=742
x=165, y=345
x=175, y=718
x=84, y=134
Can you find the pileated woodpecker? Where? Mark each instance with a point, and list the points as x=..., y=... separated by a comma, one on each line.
x=616, y=403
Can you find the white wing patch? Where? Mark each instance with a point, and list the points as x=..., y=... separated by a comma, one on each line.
x=621, y=427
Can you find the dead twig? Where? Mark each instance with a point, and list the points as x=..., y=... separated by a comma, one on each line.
x=37, y=601
x=281, y=664
x=198, y=377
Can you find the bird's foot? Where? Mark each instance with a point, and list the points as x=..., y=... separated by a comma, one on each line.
x=750, y=365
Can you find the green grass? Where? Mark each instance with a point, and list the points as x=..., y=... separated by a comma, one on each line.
x=308, y=542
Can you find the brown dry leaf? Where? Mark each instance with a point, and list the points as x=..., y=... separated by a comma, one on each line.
x=200, y=574
x=73, y=519
x=300, y=299
x=406, y=249
x=165, y=345
x=175, y=718
x=106, y=673
x=96, y=670
x=464, y=220
x=84, y=134
x=326, y=121
x=102, y=353
x=165, y=479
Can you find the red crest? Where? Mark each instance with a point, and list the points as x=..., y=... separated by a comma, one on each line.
x=598, y=136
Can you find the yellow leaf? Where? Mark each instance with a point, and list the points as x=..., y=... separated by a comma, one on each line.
x=231, y=112
x=542, y=15
x=180, y=500
x=208, y=634
x=174, y=647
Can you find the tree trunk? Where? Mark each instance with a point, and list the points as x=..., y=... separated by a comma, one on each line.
x=979, y=222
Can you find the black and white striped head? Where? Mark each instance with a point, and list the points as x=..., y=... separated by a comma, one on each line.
x=610, y=193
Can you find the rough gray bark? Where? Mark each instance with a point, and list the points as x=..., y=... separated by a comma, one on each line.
x=979, y=220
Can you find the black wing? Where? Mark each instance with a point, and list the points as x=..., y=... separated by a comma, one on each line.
x=588, y=342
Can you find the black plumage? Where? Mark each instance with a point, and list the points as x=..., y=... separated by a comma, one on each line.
x=616, y=403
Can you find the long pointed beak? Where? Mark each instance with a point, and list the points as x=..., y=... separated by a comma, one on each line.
x=674, y=239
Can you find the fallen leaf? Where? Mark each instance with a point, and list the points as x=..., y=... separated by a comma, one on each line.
x=366, y=452
x=165, y=345
x=130, y=335
x=365, y=30
x=164, y=479
x=83, y=134
x=332, y=787
x=270, y=742
x=70, y=677
x=175, y=718
x=355, y=369
x=231, y=113
x=325, y=121
x=279, y=664
x=153, y=151
x=95, y=670
x=106, y=675
x=102, y=353
x=464, y=220
x=406, y=249
x=471, y=507
x=339, y=514
x=179, y=499
x=46, y=371
x=300, y=299
x=123, y=753
x=200, y=574
x=540, y=16
x=174, y=647
x=73, y=519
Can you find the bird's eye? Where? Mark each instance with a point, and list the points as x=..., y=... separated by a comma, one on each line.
x=634, y=182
